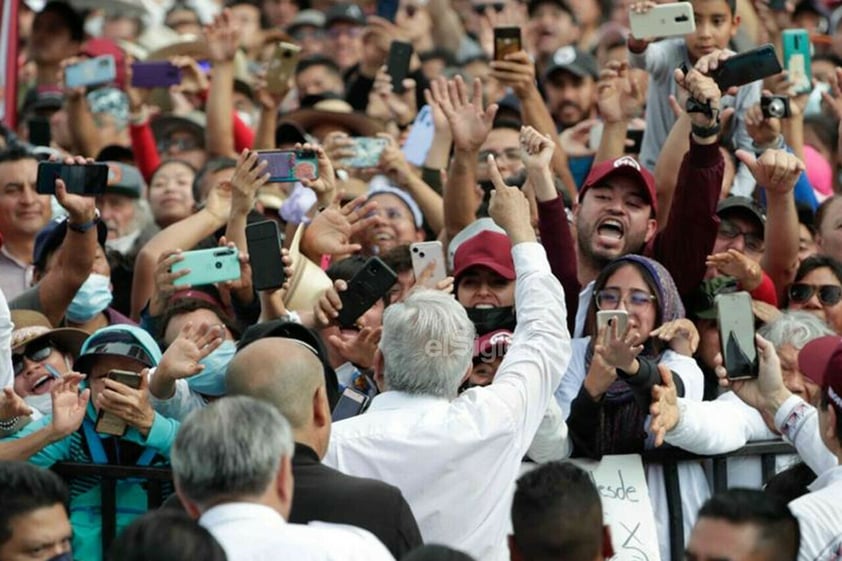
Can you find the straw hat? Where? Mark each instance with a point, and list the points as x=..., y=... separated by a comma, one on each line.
x=31, y=326
x=308, y=281
x=333, y=111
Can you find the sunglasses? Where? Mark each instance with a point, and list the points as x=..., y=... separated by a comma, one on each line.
x=829, y=294
x=498, y=7
x=33, y=353
x=753, y=242
x=610, y=298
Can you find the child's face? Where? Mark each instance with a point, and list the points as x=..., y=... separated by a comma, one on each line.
x=715, y=25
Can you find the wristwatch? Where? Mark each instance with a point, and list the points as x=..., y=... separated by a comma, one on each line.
x=82, y=228
x=706, y=132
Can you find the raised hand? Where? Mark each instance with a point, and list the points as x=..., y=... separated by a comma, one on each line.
x=12, y=405
x=218, y=202
x=223, y=38
x=639, y=44
x=536, y=150
x=358, y=348
x=339, y=147
x=131, y=405
x=664, y=409
x=71, y=94
x=517, y=71
x=325, y=185
x=734, y=263
x=777, y=171
x=766, y=392
x=469, y=122
x=69, y=405
x=619, y=96
x=440, y=123
x=618, y=350
x=181, y=359
x=249, y=176
x=681, y=335
x=393, y=162
x=331, y=231
x=327, y=308
x=400, y=108
x=193, y=78
x=509, y=208
x=80, y=210
x=164, y=281
x=575, y=140
x=703, y=89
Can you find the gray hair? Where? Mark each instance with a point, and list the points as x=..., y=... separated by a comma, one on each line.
x=427, y=344
x=231, y=448
x=795, y=328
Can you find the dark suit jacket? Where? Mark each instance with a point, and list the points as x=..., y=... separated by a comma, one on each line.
x=327, y=495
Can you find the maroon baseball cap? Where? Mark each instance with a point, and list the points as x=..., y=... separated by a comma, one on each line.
x=489, y=249
x=821, y=361
x=493, y=344
x=623, y=166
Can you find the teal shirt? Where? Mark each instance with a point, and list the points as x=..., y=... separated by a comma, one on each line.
x=85, y=510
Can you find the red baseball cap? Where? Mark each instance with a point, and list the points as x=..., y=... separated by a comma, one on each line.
x=623, y=166
x=821, y=361
x=493, y=344
x=489, y=249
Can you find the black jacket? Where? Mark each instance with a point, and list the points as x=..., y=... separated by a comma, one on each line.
x=327, y=495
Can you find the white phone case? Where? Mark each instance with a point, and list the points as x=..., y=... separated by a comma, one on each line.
x=620, y=316
x=422, y=254
x=664, y=20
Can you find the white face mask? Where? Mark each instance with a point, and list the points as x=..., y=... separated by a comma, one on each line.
x=42, y=403
x=94, y=25
x=247, y=118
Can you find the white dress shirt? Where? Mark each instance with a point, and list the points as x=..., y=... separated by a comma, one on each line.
x=7, y=376
x=455, y=461
x=254, y=532
x=819, y=515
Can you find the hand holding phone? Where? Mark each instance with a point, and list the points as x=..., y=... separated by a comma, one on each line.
x=155, y=74
x=208, y=266
x=736, y=335
x=281, y=67
x=663, y=20
x=397, y=64
x=108, y=422
x=288, y=166
x=264, y=245
x=370, y=284
x=367, y=152
x=423, y=254
x=506, y=41
x=610, y=318
x=88, y=180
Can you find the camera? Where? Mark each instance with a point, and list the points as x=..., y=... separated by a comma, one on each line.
x=775, y=106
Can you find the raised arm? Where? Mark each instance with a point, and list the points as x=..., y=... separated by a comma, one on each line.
x=83, y=133
x=222, y=38
x=619, y=99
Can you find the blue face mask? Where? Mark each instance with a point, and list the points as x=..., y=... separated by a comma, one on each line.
x=91, y=298
x=211, y=380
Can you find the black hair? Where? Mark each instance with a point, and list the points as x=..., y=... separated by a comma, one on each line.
x=827, y=57
x=317, y=60
x=806, y=216
x=812, y=263
x=24, y=488
x=430, y=552
x=398, y=258
x=116, y=153
x=541, y=514
x=791, y=483
x=72, y=19
x=186, y=305
x=732, y=5
x=212, y=166
x=16, y=152
x=264, y=20
x=511, y=124
x=822, y=210
x=778, y=532
x=165, y=535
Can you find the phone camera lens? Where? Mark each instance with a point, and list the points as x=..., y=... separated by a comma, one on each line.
x=219, y=264
x=422, y=255
x=776, y=108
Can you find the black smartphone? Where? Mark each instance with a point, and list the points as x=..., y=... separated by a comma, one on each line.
x=387, y=9
x=370, y=284
x=736, y=335
x=634, y=138
x=264, y=245
x=39, y=131
x=88, y=180
x=107, y=422
x=747, y=67
x=397, y=64
x=506, y=41
x=351, y=403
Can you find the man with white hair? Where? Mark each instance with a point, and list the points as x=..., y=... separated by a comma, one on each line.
x=431, y=442
x=232, y=466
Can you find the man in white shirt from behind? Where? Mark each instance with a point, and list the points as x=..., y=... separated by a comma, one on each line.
x=232, y=470
x=456, y=458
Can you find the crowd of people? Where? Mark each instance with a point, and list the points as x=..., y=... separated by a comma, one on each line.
x=589, y=200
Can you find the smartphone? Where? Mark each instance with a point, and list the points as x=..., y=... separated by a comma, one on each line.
x=634, y=141
x=736, y=335
x=99, y=70
x=282, y=67
x=39, y=131
x=351, y=403
x=747, y=67
x=107, y=422
x=88, y=180
x=506, y=41
x=155, y=74
x=369, y=285
x=397, y=64
x=264, y=245
x=663, y=20
x=207, y=266
x=287, y=166
x=422, y=254
x=368, y=150
x=798, y=59
x=609, y=317
x=387, y=9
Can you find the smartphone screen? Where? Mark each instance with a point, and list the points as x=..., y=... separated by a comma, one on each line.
x=506, y=41
x=88, y=180
x=286, y=166
x=736, y=335
x=397, y=64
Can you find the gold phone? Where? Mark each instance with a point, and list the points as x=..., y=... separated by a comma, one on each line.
x=107, y=422
x=281, y=67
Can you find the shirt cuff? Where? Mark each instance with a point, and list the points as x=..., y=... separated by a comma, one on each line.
x=790, y=417
x=530, y=257
x=678, y=434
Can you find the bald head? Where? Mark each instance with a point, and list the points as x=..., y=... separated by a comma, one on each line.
x=281, y=371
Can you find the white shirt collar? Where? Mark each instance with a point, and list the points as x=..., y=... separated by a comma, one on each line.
x=401, y=400
x=233, y=512
x=826, y=479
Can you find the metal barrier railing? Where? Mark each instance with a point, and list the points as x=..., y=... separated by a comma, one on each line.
x=669, y=458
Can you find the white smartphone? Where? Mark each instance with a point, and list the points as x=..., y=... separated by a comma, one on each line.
x=606, y=317
x=664, y=20
x=736, y=335
x=423, y=253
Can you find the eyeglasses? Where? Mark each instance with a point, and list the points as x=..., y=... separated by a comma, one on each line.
x=181, y=145
x=829, y=294
x=753, y=242
x=510, y=154
x=496, y=6
x=610, y=298
x=34, y=353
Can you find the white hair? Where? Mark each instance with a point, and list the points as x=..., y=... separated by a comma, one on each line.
x=427, y=344
x=232, y=448
x=795, y=328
